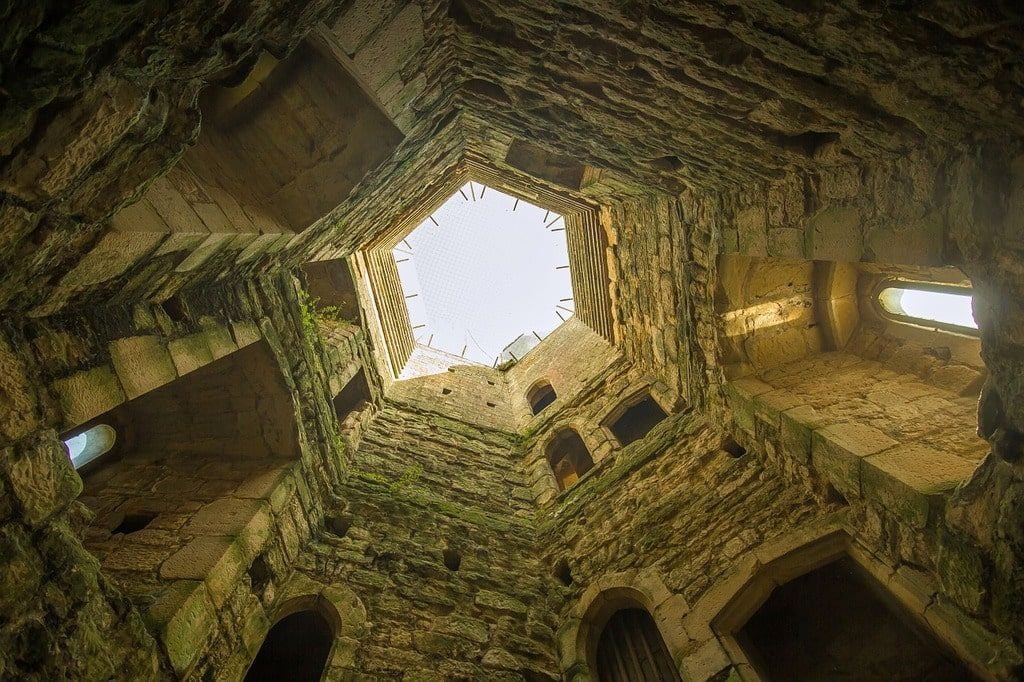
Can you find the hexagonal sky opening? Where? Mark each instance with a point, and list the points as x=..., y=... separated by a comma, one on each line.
x=485, y=277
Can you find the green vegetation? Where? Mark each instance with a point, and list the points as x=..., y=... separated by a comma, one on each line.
x=312, y=311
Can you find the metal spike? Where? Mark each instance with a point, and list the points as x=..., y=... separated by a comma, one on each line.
x=432, y=220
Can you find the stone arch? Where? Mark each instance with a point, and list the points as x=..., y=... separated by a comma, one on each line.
x=716, y=619
x=337, y=604
x=578, y=636
x=540, y=395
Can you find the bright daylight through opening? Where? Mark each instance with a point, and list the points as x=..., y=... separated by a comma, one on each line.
x=929, y=305
x=90, y=444
x=485, y=277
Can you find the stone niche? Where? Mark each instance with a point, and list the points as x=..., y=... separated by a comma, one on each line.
x=279, y=148
x=194, y=462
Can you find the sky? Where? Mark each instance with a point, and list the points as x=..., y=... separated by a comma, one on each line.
x=485, y=273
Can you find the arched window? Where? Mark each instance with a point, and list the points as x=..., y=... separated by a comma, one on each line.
x=568, y=457
x=632, y=650
x=632, y=420
x=90, y=444
x=540, y=396
x=932, y=305
x=296, y=649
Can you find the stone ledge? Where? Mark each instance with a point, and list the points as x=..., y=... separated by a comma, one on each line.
x=838, y=450
x=908, y=480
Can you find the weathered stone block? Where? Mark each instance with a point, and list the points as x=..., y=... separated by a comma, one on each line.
x=769, y=406
x=182, y=618
x=904, y=478
x=41, y=478
x=740, y=394
x=499, y=602
x=19, y=567
x=245, y=333
x=707, y=661
x=226, y=516
x=796, y=426
x=785, y=242
x=962, y=573
x=87, y=394
x=218, y=561
x=391, y=46
x=835, y=234
x=837, y=451
x=142, y=363
x=220, y=341
x=501, y=660
x=190, y=353
x=19, y=414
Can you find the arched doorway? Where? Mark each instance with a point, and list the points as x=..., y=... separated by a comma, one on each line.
x=295, y=649
x=631, y=649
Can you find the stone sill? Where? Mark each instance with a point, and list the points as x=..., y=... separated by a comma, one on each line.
x=911, y=480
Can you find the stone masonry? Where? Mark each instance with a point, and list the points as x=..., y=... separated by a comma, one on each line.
x=197, y=201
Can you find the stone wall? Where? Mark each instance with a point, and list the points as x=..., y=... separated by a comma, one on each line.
x=672, y=509
x=708, y=94
x=768, y=311
x=649, y=245
x=473, y=394
x=923, y=209
x=422, y=484
x=569, y=359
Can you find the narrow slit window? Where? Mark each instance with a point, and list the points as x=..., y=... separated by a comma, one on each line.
x=931, y=305
x=90, y=444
